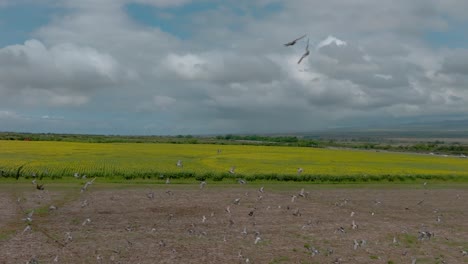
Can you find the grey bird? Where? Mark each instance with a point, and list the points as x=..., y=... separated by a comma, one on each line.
x=291, y=43
x=305, y=54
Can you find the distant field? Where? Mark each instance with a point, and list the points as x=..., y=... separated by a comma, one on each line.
x=137, y=160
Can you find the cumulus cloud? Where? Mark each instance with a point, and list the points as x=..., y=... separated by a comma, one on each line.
x=231, y=73
x=62, y=74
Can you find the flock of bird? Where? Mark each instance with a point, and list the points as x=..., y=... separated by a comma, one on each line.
x=293, y=42
x=302, y=194
x=356, y=243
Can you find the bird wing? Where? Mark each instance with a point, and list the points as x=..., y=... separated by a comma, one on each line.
x=294, y=41
x=301, y=37
x=303, y=56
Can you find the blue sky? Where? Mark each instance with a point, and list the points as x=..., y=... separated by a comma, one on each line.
x=207, y=67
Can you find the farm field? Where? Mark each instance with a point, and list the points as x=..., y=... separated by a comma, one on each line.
x=136, y=160
x=178, y=223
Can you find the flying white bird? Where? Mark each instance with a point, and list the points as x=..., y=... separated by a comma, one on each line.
x=244, y=232
x=356, y=244
x=26, y=229
x=257, y=239
x=293, y=198
x=307, y=52
x=87, y=221
x=302, y=193
x=68, y=237
x=291, y=43
x=29, y=217
x=202, y=184
x=179, y=164
x=87, y=184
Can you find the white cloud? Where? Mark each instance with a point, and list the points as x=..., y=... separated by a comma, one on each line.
x=232, y=73
x=331, y=40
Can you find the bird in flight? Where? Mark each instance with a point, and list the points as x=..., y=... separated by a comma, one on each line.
x=306, y=53
x=294, y=41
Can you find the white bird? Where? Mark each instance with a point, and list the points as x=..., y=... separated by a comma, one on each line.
x=352, y=214
x=76, y=175
x=68, y=237
x=293, y=198
x=34, y=182
x=168, y=180
x=29, y=217
x=203, y=219
x=26, y=229
x=261, y=189
x=84, y=203
x=297, y=212
x=150, y=195
x=257, y=239
x=356, y=244
x=302, y=193
x=228, y=209
x=241, y=181
x=202, y=184
x=236, y=201
x=395, y=241
x=87, y=221
x=179, y=164
x=291, y=43
x=87, y=184
x=56, y=259
x=305, y=54
x=232, y=170
x=353, y=225
x=244, y=232
x=413, y=261
x=299, y=170
x=464, y=253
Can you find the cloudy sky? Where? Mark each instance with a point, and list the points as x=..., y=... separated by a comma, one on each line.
x=219, y=66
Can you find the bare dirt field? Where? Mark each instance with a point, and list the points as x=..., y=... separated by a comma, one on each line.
x=186, y=224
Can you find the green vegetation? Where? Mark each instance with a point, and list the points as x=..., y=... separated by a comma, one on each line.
x=359, y=141
x=203, y=162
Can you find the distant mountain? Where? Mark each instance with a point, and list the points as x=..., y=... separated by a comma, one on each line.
x=430, y=129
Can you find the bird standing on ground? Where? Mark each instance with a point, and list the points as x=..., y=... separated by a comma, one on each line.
x=307, y=52
x=291, y=43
